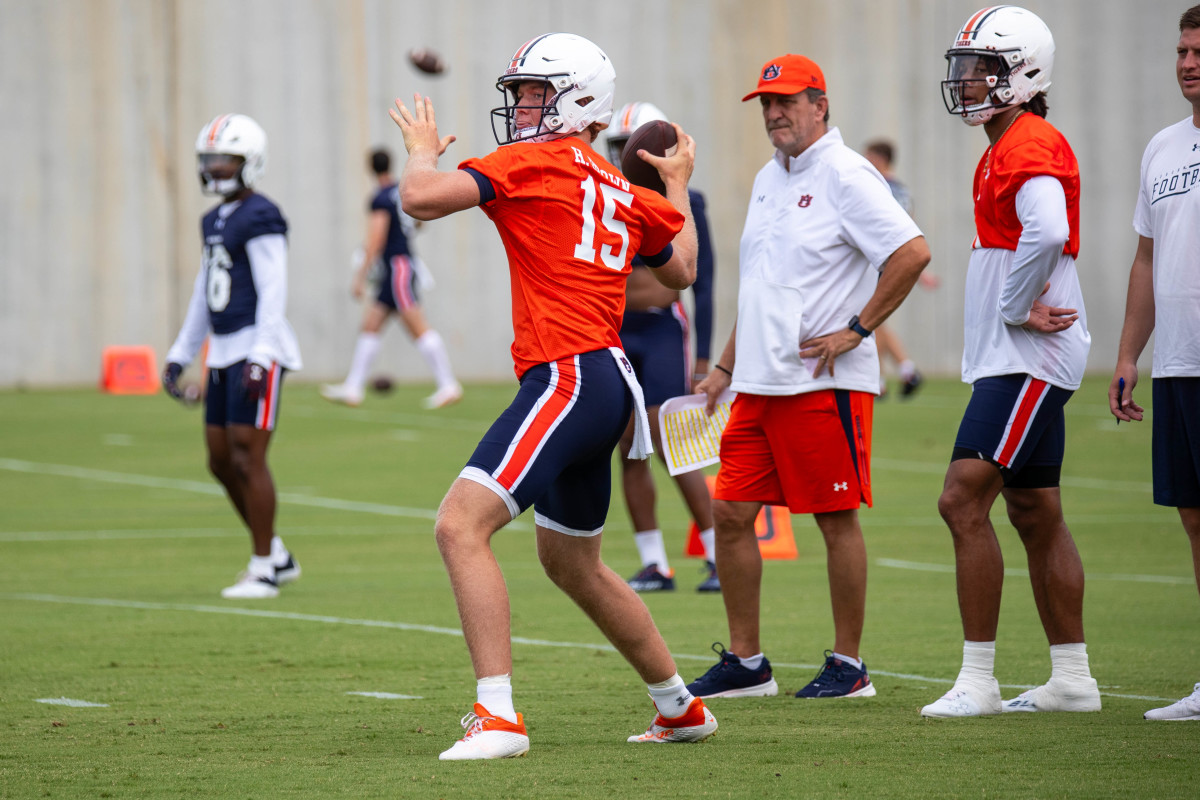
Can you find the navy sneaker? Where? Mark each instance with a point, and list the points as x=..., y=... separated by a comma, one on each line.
x=839, y=679
x=651, y=580
x=911, y=384
x=728, y=678
x=712, y=583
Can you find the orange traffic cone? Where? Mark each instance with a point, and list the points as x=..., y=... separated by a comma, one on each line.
x=129, y=370
x=772, y=526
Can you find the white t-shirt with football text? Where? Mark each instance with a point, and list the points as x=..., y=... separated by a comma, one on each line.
x=1168, y=211
x=818, y=230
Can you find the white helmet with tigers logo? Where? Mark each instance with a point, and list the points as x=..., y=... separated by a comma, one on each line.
x=1009, y=49
x=232, y=135
x=625, y=121
x=581, y=81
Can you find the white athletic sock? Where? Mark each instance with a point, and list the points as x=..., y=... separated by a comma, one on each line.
x=854, y=662
x=495, y=694
x=752, y=662
x=365, y=350
x=433, y=350
x=262, y=567
x=671, y=697
x=907, y=368
x=279, y=553
x=652, y=550
x=1069, y=661
x=979, y=661
x=708, y=538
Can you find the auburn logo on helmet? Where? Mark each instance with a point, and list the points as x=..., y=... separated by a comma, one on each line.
x=771, y=72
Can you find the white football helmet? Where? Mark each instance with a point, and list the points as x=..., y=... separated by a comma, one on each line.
x=626, y=120
x=231, y=135
x=1006, y=47
x=580, y=79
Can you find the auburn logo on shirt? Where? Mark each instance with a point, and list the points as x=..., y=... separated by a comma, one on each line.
x=805, y=200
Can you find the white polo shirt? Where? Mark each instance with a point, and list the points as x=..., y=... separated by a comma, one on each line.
x=1168, y=211
x=818, y=230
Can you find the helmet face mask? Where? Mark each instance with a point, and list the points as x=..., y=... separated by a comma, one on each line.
x=231, y=155
x=1006, y=49
x=578, y=79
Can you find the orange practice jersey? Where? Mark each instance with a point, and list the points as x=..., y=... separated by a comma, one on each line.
x=1031, y=147
x=570, y=223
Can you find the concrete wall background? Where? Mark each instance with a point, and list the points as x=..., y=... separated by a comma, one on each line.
x=99, y=204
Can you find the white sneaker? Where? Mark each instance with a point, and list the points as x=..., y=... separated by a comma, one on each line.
x=1057, y=694
x=1187, y=708
x=339, y=393
x=447, y=395
x=288, y=571
x=966, y=700
x=488, y=737
x=694, y=725
x=251, y=587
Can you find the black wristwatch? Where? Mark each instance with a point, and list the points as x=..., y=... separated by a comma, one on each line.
x=858, y=328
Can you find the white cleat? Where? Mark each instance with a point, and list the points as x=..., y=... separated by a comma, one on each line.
x=488, y=737
x=251, y=587
x=694, y=725
x=445, y=396
x=1187, y=708
x=288, y=571
x=339, y=393
x=1081, y=694
x=966, y=700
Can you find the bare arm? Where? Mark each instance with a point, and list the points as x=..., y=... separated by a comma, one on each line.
x=676, y=171
x=377, y=230
x=1139, y=324
x=426, y=193
x=721, y=376
x=896, y=280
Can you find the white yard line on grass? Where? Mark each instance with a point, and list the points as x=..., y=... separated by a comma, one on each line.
x=408, y=626
x=1022, y=573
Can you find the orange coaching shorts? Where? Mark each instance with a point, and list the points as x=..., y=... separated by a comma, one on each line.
x=810, y=452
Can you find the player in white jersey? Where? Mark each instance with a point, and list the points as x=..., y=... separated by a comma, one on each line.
x=1164, y=283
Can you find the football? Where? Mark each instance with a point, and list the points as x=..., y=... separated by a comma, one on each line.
x=655, y=137
x=427, y=60
x=382, y=384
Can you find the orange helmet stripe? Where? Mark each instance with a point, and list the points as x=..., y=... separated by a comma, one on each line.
x=215, y=128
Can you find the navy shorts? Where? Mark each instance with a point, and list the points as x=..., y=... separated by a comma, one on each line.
x=398, y=286
x=225, y=402
x=1016, y=422
x=552, y=447
x=1176, y=442
x=656, y=343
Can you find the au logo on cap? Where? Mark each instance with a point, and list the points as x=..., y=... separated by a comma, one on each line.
x=771, y=72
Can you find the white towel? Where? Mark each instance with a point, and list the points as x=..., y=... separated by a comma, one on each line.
x=643, y=445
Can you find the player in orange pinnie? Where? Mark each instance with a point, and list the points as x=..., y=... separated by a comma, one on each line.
x=571, y=224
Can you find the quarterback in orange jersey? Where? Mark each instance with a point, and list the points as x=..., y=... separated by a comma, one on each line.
x=1025, y=349
x=571, y=224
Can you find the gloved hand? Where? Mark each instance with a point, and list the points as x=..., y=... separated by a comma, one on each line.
x=254, y=381
x=170, y=380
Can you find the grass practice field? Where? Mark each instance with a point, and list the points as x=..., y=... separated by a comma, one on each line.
x=114, y=544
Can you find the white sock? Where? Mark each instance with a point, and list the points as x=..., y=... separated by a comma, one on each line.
x=907, y=368
x=652, y=550
x=1069, y=661
x=709, y=539
x=979, y=662
x=854, y=662
x=433, y=350
x=261, y=567
x=752, y=662
x=365, y=350
x=671, y=697
x=279, y=553
x=495, y=694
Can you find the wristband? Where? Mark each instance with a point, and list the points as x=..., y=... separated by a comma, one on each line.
x=727, y=372
x=857, y=327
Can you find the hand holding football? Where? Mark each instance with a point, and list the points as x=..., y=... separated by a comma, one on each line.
x=427, y=60
x=657, y=138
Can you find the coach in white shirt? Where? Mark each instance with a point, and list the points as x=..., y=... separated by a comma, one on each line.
x=826, y=255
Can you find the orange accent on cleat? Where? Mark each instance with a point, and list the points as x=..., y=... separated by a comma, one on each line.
x=694, y=725
x=488, y=737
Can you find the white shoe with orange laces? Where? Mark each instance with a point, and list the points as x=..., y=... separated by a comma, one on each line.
x=488, y=737
x=694, y=725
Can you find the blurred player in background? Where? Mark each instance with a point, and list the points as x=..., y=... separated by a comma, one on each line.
x=570, y=224
x=1164, y=283
x=387, y=243
x=239, y=301
x=654, y=335
x=1025, y=349
x=882, y=153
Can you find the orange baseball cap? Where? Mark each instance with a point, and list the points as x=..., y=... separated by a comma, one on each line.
x=788, y=74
